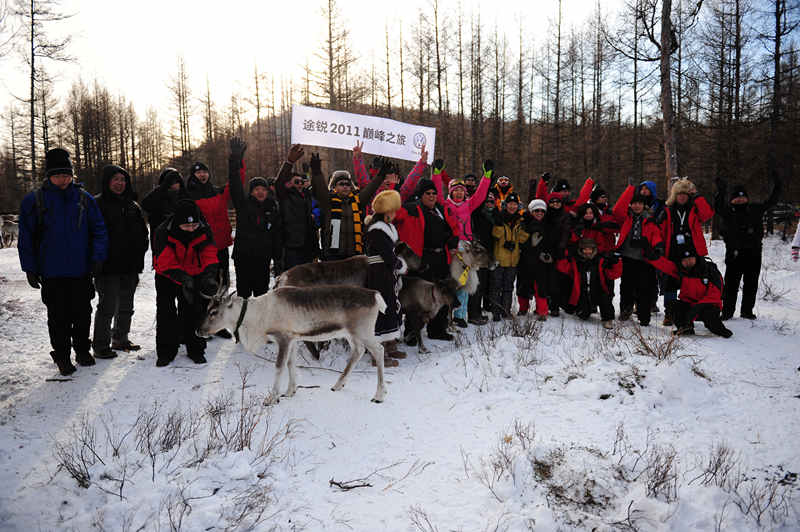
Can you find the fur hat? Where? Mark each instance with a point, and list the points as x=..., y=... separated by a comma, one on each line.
x=386, y=201
x=57, y=161
x=681, y=186
x=258, y=182
x=584, y=243
x=537, y=204
x=738, y=191
x=339, y=175
x=197, y=166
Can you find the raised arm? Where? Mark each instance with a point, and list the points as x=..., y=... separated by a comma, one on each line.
x=285, y=172
x=438, y=166
x=585, y=193
x=414, y=175
x=367, y=193
x=477, y=199
x=235, y=163
x=360, y=173
x=620, y=208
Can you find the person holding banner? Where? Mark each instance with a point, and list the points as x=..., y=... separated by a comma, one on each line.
x=392, y=181
x=300, y=240
x=342, y=210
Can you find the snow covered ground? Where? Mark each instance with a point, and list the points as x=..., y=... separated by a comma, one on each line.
x=554, y=426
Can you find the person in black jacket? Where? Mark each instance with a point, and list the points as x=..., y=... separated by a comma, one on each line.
x=557, y=223
x=258, y=228
x=160, y=203
x=300, y=234
x=742, y=229
x=535, y=266
x=482, y=223
x=117, y=281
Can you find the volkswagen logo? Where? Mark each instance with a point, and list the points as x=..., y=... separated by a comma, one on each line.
x=419, y=140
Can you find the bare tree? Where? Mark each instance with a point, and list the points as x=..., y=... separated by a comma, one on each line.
x=181, y=94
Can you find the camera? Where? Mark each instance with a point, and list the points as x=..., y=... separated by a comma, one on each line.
x=509, y=245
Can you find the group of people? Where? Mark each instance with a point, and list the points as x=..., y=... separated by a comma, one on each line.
x=555, y=252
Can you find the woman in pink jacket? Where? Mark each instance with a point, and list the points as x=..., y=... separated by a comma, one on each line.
x=459, y=207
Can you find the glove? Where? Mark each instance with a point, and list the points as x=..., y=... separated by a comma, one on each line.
x=316, y=164
x=295, y=153
x=610, y=261
x=188, y=289
x=488, y=168
x=545, y=257
x=795, y=257
x=96, y=267
x=238, y=147
x=546, y=177
x=438, y=166
x=34, y=279
x=384, y=166
x=535, y=239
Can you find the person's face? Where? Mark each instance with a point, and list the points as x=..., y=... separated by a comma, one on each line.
x=176, y=186
x=644, y=191
x=458, y=194
x=201, y=175
x=259, y=193
x=503, y=182
x=539, y=214
x=429, y=198
x=392, y=179
x=297, y=183
x=739, y=200
x=189, y=227
x=555, y=203
x=588, y=252
x=688, y=263
x=343, y=189
x=602, y=201
x=682, y=198
x=511, y=207
x=588, y=215
x=117, y=184
x=61, y=181
x=637, y=207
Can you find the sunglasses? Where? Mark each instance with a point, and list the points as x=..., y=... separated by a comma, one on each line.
x=297, y=182
x=539, y=210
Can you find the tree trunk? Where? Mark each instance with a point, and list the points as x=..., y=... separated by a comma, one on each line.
x=670, y=149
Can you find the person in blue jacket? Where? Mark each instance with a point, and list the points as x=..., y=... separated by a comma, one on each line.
x=62, y=243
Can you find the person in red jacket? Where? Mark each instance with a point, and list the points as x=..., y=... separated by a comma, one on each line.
x=681, y=222
x=700, y=296
x=186, y=266
x=591, y=276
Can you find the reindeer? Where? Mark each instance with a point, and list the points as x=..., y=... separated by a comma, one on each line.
x=312, y=314
x=9, y=233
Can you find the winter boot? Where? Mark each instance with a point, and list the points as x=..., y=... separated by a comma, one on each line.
x=478, y=320
x=83, y=358
x=625, y=313
x=198, y=358
x=127, y=345
x=608, y=324
x=104, y=353
x=748, y=315
x=65, y=367
x=390, y=350
x=459, y=322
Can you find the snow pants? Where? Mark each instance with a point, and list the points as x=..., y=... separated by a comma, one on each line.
x=741, y=264
x=503, y=289
x=115, y=302
x=69, y=313
x=252, y=275
x=176, y=324
x=639, y=285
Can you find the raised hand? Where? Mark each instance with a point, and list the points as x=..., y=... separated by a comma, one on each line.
x=316, y=164
x=295, y=153
x=238, y=147
x=438, y=166
x=423, y=154
x=358, y=150
x=488, y=168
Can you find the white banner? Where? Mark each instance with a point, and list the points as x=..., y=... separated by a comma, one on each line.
x=381, y=136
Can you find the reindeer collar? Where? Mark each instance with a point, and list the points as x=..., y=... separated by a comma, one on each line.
x=462, y=279
x=240, y=320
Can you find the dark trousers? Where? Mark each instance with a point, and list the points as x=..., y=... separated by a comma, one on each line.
x=503, y=289
x=476, y=300
x=223, y=256
x=294, y=256
x=252, y=275
x=114, y=302
x=743, y=264
x=588, y=302
x=685, y=313
x=639, y=285
x=69, y=313
x=176, y=324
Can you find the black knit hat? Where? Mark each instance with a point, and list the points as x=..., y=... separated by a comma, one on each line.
x=638, y=198
x=186, y=212
x=56, y=161
x=425, y=185
x=258, y=182
x=738, y=191
x=170, y=176
x=198, y=166
x=561, y=185
x=597, y=193
x=512, y=197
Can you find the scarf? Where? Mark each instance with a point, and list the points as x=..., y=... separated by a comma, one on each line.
x=336, y=214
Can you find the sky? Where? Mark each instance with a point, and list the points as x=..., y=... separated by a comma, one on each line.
x=133, y=48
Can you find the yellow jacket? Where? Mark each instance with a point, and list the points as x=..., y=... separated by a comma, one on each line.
x=508, y=232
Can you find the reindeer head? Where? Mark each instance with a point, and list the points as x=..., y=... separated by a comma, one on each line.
x=223, y=313
x=474, y=254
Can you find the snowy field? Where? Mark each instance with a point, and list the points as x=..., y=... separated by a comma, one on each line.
x=518, y=426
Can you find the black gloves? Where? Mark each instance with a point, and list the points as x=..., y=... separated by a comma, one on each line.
x=33, y=279
x=316, y=164
x=546, y=177
x=438, y=166
x=488, y=168
x=610, y=261
x=238, y=147
x=188, y=289
x=383, y=164
x=208, y=286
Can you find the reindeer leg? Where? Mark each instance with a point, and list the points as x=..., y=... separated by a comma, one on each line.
x=355, y=355
x=376, y=350
x=292, y=389
x=313, y=349
x=280, y=361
